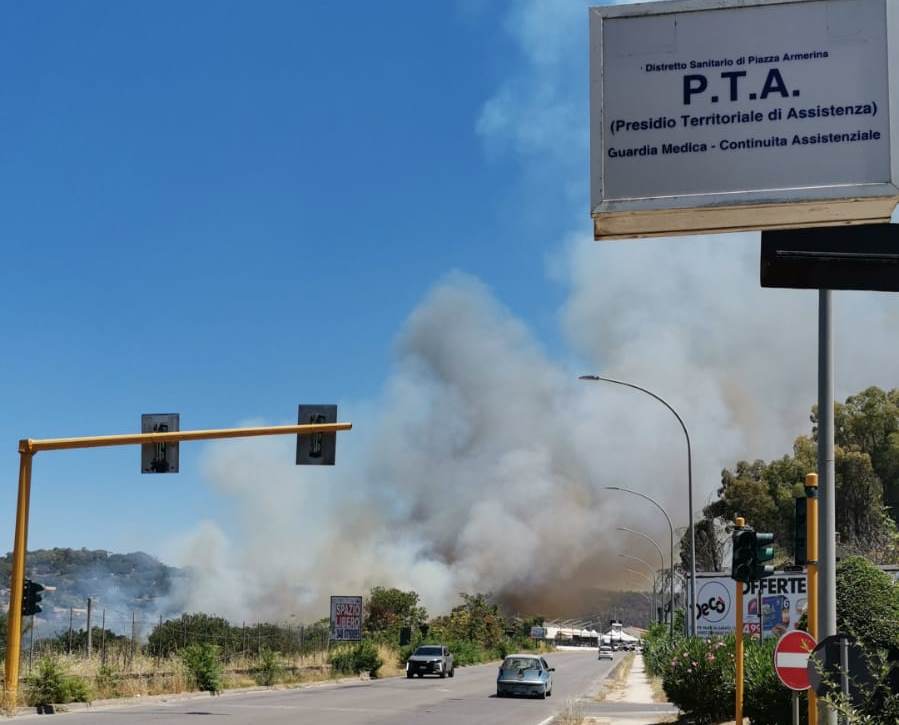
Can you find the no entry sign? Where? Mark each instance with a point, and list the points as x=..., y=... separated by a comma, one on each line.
x=791, y=659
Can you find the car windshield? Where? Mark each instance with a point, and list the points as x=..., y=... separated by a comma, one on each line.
x=521, y=663
x=428, y=651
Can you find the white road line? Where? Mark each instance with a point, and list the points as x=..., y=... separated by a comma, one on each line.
x=547, y=721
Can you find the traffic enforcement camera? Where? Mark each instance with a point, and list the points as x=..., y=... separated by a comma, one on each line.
x=31, y=597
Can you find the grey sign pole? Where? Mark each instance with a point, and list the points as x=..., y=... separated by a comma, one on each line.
x=827, y=559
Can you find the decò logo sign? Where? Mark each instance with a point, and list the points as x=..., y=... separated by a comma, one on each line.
x=713, y=602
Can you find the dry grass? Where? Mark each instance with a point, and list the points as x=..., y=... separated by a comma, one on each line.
x=658, y=692
x=391, y=666
x=571, y=714
x=617, y=679
x=143, y=676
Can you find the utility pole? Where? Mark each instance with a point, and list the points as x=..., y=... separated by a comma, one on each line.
x=90, y=650
x=31, y=644
x=827, y=560
x=103, y=637
x=133, y=635
x=69, y=648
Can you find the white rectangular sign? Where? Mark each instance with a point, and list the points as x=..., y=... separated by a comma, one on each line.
x=784, y=601
x=742, y=115
x=346, y=619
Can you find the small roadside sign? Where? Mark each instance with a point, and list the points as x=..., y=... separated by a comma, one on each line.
x=791, y=659
x=346, y=619
x=838, y=663
x=159, y=457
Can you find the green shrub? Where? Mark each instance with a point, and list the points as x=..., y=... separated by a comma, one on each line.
x=699, y=678
x=765, y=700
x=204, y=666
x=49, y=685
x=867, y=603
x=269, y=670
x=342, y=660
x=362, y=657
x=366, y=659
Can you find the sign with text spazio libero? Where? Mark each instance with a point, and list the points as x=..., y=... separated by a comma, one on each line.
x=726, y=115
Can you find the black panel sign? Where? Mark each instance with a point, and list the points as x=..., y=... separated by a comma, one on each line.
x=863, y=257
x=316, y=449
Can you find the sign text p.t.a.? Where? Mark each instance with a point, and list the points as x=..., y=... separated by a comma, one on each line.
x=736, y=85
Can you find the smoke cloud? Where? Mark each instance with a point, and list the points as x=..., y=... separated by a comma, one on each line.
x=482, y=464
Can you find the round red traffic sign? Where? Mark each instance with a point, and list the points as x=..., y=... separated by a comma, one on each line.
x=791, y=659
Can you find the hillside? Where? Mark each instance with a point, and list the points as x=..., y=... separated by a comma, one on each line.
x=118, y=583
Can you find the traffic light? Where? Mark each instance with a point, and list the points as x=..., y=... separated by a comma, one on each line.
x=800, y=520
x=30, y=598
x=743, y=555
x=763, y=552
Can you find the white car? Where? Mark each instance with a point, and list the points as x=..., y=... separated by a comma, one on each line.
x=605, y=652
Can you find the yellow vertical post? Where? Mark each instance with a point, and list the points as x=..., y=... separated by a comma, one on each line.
x=738, y=644
x=811, y=548
x=17, y=578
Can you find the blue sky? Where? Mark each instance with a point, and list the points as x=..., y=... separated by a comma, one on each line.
x=224, y=209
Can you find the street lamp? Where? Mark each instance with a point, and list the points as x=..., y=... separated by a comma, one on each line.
x=670, y=541
x=652, y=571
x=689, y=489
x=661, y=559
x=652, y=602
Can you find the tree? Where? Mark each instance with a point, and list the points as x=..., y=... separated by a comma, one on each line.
x=867, y=484
x=867, y=603
x=477, y=619
x=389, y=610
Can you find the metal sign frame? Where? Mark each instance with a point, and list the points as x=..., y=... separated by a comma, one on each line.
x=349, y=630
x=772, y=208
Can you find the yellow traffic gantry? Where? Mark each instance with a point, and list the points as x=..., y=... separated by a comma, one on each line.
x=27, y=450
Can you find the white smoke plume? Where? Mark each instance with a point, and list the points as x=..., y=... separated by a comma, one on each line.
x=481, y=466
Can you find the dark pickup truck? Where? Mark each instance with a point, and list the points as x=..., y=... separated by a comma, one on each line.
x=430, y=659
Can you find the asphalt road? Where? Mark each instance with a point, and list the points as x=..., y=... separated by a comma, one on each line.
x=469, y=697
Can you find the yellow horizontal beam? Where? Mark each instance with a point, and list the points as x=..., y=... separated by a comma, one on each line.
x=28, y=445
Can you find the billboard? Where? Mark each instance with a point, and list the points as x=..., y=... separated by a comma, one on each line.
x=722, y=116
x=346, y=619
x=784, y=600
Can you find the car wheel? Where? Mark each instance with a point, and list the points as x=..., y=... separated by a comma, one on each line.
x=408, y=675
x=453, y=672
x=550, y=693
x=499, y=693
x=442, y=674
x=543, y=694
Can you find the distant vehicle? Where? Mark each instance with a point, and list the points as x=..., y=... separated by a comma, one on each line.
x=431, y=659
x=605, y=652
x=525, y=675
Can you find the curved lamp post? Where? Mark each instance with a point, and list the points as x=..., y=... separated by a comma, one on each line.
x=661, y=559
x=670, y=542
x=652, y=571
x=689, y=487
x=652, y=602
